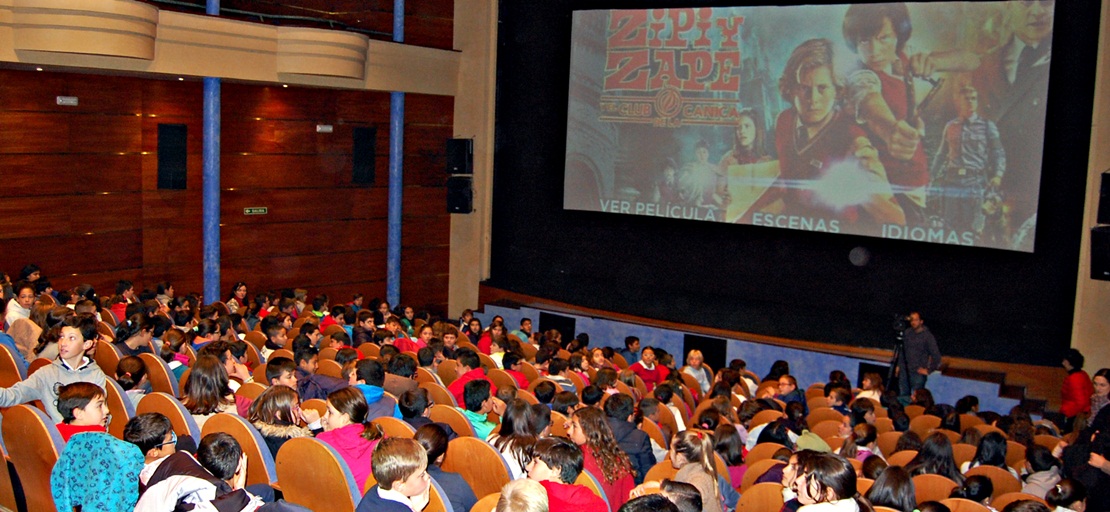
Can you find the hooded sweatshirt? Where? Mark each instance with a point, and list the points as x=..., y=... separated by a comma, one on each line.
x=354, y=449
x=380, y=405
x=572, y=498
x=42, y=384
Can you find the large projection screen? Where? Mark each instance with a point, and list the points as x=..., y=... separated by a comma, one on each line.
x=921, y=122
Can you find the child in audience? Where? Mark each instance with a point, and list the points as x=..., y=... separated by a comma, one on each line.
x=598, y=360
x=836, y=398
x=545, y=392
x=212, y=481
x=694, y=368
x=281, y=371
x=153, y=433
x=651, y=373
x=135, y=336
x=861, y=444
x=828, y=482
x=347, y=355
x=478, y=403
x=991, y=452
x=363, y=331
x=276, y=414
x=131, y=376
x=580, y=365
x=629, y=379
x=497, y=351
x=591, y=396
x=692, y=455
x=565, y=403
x=309, y=384
x=368, y=378
x=620, y=410
x=83, y=409
x=349, y=431
x=871, y=387
x=1067, y=496
x=469, y=368
x=78, y=335
x=207, y=392
x=434, y=440
x=173, y=352
x=515, y=436
x=276, y=338
x=606, y=381
x=401, y=469
x=589, y=429
x=556, y=464
x=977, y=488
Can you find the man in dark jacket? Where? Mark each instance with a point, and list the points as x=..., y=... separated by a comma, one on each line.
x=634, y=442
x=309, y=384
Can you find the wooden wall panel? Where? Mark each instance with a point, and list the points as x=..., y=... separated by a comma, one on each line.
x=93, y=170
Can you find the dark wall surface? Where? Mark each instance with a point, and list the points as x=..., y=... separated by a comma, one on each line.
x=980, y=303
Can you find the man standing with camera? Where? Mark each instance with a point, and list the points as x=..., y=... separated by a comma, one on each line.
x=922, y=354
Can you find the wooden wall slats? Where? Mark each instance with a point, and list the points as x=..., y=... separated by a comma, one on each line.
x=322, y=232
x=64, y=174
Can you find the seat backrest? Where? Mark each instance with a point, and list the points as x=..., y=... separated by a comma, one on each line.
x=823, y=414
x=40, y=362
x=439, y=394
x=884, y=425
x=756, y=470
x=328, y=353
x=962, y=505
x=447, y=414
x=962, y=452
x=901, y=458
x=261, y=468
x=107, y=357
x=1000, y=502
x=1003, y=481
x=762, y=451
x=501, y=379
x=986, y=429
x=423, y=375
x=256, y=338
x=480, y=464
x=528, y=370
x=761, y=497
x=33, y=443
x=254, y=357
x=369, y=349
x=447, y=372
x=9, y=370
x=591, y=482
x=827, y=428
x=970, y=420
x=330, y=368
x=1046, y=440
x=913, y=411
x=486, y=504
x=654, y=432
x=863, y=485
x=532, y=385
x=762, y=417
x=183, y=381
x=316, y=404
x=282, y=352
x=166, y=404
x=661, y=470
x=7, y=492
x=887, y=441
x=314, y=475
x=924, y=424
x=119, y=406
x=558, y=424
x=251, y=390
x=394, y=427
x=527, y=396
x=1015, y=454
x=932, y=487
x=620, y=361
x=159, y=373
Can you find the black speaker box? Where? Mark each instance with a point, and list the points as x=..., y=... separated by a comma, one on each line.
x=460, y=195
x=172, y=156
x=460, y=156
x=1100, y=252
x=363, y=155
x=1104, y=200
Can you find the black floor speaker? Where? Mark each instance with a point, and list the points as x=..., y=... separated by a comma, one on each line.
x=1100, y=253
x=460, y=195
x=460, y=156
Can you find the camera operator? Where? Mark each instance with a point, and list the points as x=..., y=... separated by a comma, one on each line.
x=921, y=352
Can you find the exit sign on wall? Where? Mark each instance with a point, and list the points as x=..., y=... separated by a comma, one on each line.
x=257, y=210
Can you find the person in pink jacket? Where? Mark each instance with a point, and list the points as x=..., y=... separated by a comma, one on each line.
x=349, y=431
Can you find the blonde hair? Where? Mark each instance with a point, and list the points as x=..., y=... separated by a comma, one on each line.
x=697, y=446
x=397, y=458
x=693, y=353
x=522, y=495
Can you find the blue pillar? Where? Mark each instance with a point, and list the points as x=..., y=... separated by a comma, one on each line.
x=396, y=147
x=211, y=180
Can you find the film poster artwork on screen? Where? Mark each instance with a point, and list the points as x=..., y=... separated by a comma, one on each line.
x=921, y=122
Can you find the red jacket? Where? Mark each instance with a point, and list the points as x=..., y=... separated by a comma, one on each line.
x=617, y=492
x=572, y=498
x=456, y=388
x=650, y=377
x=1076, y=393
x=521, y=379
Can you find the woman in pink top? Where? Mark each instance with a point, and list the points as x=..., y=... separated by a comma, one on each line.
x=349, y=431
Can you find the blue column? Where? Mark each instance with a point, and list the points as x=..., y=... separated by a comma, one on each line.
x=211, y=180
x=396, y=147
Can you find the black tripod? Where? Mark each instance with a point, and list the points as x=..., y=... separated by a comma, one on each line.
x=898, y=366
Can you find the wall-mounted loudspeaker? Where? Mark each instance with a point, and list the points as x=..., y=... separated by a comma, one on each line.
x=460, y=195
x=1104, y=200
x=1100, y=253
x=172, y=156
x=460, y=156
x=363, y=155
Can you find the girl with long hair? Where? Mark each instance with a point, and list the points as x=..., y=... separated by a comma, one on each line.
x=134, y=336
x=131, y=376
x=207, y=392
x=871, y=387
x=990, y=452
x=173, y=351
x=516, y=436
x=935, y=458
x=894, y=489
x=276, y=413
x=602, y=457
x=861, y=444
x=692, y=456
x=348, y=429
x=828, y=483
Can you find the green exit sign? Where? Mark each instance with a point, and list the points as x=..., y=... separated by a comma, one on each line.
x=257, y=210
